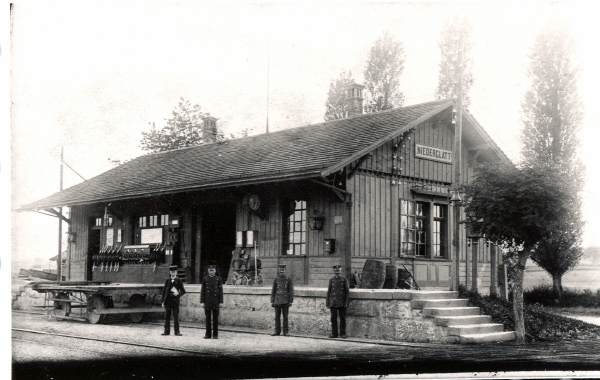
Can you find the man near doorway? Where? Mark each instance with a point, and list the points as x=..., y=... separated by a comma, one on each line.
x=337, y=299
x=282, y=297
x=211, y=296
x=172, y=292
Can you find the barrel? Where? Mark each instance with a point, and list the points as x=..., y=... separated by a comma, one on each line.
x=391, y=277
x=250, y=264
x=373, y=275
x=404, y=280
x=239, y=264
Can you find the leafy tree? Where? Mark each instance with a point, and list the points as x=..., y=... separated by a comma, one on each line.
x=183, y=129
x=456, y=35
x=518, y=207
x=382, y=74
x=552, y=115
x=336, y=97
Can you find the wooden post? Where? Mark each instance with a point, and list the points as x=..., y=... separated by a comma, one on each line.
x=457, y=161
x=494, y=269
x=348, y=239
x=475, y=261
x=59, y=258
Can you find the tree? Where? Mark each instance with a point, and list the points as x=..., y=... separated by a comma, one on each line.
x=456, y=35
x=336, y=97
x=552, y=115
x=519, y=208
x=183, y=129
x=382, y=74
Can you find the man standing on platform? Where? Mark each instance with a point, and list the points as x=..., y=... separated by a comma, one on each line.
x=338, y=297
x=211, y=295
x=282, y=297
x=172, y=292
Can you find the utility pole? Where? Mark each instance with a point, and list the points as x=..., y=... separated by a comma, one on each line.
x=456, y=199
x=268, y=75
x=59, y=259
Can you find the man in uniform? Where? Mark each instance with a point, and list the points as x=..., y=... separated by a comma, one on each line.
x=338, y=297
x=282, y=297
x=172, y=292
x=211, y=295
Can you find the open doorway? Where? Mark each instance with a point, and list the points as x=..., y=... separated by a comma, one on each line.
x=93, y=249
x=218, y=238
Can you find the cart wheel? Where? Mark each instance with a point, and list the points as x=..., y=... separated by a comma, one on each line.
x=235, y=278
x=62, y=309
x=244, y=281
x=95, y=303
x=259, y=280
x=137, y=301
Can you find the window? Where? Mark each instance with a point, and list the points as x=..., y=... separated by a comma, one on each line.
x=423, y=234
x=98, y=222
x=164, y=220
x=440, y=230
x=294, y=235
x=142, y=221
x=153, y=220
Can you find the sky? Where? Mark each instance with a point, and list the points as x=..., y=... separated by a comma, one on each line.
x=91, y=76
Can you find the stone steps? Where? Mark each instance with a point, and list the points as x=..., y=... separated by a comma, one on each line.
x=462, y=320
x=462, y=323
x=436, y=303
x=481, y=328
x=450, y=311
x=504, y=336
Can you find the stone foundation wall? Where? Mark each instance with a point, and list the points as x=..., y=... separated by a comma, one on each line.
x=375, y=314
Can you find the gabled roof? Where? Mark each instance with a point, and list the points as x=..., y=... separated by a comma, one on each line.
x=304, y=152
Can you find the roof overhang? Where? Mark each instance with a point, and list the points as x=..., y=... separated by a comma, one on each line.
x=280, y=177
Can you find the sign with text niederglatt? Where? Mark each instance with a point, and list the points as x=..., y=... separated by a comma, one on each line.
x=435, y=154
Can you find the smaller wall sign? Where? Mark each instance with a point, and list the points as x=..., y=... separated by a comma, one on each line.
x=110, y=237
x=431, y=153
x=337, y=219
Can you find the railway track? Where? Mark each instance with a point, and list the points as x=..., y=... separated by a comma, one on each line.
x=109, y=341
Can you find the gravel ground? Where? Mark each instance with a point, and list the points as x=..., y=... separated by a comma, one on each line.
x=85, y=351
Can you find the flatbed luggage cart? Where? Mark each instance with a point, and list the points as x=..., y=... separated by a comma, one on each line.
x=93, y=301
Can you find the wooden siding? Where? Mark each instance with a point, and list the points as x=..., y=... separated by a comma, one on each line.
x=319, y=202
x=80, y=225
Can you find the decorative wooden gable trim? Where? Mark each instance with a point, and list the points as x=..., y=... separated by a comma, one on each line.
x=363, y=152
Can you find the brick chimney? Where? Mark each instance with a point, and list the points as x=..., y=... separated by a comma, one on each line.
x=209, y=129
x=354, y=99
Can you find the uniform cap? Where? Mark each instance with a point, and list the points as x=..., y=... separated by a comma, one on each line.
x=337, y=267
x=212, y=267
x=282, y=266
x=172, y=267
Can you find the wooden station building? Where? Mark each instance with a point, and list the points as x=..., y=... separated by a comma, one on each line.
x=370, y=186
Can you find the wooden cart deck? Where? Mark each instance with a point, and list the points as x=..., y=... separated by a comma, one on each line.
x=93, y=299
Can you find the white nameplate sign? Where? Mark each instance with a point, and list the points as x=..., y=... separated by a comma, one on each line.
x=152, y=235
x=435, y=154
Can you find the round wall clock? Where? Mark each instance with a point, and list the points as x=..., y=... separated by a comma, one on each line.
x=252, y=201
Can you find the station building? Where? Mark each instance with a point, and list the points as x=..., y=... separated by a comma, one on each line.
x=369, y=186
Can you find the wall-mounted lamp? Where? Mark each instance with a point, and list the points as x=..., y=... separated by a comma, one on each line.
x=469, y=242
x=456, y=200
x=316, y=222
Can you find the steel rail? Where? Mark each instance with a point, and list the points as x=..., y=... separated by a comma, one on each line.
x=67, y=348
x=114, y=341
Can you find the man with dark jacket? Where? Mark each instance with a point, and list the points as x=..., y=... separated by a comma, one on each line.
x=338, y=297
x=211, y=295
x=172, y=292
x=282, y=297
